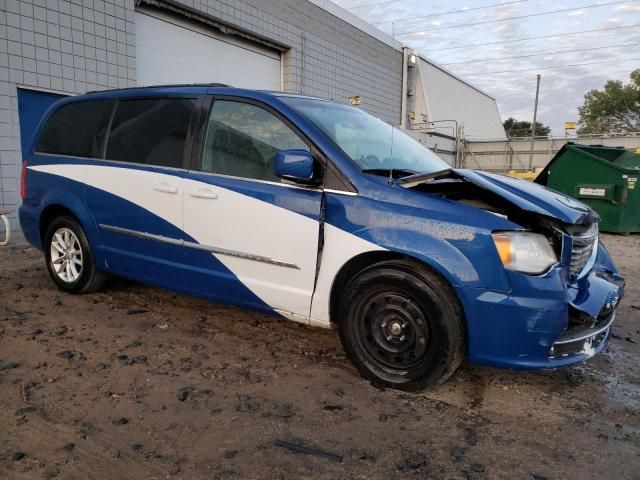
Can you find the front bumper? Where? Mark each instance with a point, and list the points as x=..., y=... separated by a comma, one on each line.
x=583, y=339
x=544, y=321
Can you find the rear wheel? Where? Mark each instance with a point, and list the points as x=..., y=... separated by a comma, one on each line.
x=402, y=326
x=70, y=261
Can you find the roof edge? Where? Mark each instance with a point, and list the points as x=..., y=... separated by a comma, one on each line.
x=357, y=22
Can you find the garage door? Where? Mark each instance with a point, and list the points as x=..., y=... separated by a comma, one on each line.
x=169, y=51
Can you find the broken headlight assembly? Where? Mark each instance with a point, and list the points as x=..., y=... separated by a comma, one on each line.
x=525, y=252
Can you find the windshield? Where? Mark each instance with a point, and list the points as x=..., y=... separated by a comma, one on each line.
x=374, y=145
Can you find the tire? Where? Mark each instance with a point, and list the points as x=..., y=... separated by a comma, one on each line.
x=76, y=272
x=402, y=326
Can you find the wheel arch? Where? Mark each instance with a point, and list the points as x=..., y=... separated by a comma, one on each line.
x=363, y=261
x=56, y=205
x=49, y=214
x=90, y=277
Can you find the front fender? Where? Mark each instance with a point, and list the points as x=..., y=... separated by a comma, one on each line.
x=464, y=255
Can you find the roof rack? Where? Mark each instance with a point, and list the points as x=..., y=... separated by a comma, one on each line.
x=163, y=86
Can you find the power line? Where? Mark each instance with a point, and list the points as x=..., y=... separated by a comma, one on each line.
x=517, y=17
x=552, y=67
x=471, y=45
x=540, y=54
x=451, y=12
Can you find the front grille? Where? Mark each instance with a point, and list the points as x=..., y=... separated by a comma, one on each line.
x=583, y=246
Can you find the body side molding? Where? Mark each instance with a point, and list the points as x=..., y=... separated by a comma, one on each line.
x=198, y=246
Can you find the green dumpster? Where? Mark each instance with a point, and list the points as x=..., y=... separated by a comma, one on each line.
x=606, y=178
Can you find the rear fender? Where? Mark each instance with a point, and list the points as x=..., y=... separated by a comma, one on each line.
x=77, y=206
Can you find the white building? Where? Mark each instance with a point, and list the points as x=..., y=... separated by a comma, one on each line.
x=445, y=109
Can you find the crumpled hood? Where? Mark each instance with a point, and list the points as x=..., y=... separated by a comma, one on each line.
x=531, y=196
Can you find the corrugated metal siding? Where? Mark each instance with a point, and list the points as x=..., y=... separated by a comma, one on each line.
x=449, y=98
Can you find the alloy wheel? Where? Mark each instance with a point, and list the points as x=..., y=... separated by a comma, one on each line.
x=66, y=255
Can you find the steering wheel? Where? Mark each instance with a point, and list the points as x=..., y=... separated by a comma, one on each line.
x=372, y=161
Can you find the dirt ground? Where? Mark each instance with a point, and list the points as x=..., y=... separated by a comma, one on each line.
x=139, y=383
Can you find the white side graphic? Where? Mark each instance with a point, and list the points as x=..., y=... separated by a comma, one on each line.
x=339, y=248
x=222, y=218
x=227, y=219
x=146, y=189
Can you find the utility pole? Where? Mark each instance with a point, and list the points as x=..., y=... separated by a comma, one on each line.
x=533, y=126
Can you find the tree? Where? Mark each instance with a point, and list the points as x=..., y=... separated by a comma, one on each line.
x=616, y=108
x=522, y=128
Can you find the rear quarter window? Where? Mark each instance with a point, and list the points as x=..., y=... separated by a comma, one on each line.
x=76, y=129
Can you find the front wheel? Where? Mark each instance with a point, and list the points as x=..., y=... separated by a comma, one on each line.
x=70, y=261
x=402, y=326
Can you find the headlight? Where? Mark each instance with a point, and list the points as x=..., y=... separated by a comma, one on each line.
x=524, y=252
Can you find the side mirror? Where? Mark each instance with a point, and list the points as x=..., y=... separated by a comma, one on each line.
x=294, y=165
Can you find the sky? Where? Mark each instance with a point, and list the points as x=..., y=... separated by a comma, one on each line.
x=433, y=27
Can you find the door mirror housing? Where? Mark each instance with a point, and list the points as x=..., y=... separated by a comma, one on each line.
x=296, y=166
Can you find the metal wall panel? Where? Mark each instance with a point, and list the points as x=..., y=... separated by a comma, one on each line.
x=449, y=98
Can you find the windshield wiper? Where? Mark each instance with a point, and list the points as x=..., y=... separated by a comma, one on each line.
x=412, y=180
x=390, y=172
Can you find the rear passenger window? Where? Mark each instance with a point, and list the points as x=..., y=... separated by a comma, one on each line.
x=150, y=131
x=76, y=129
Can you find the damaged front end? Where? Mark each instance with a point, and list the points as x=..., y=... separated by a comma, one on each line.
x=594, y=291
x=551, y=318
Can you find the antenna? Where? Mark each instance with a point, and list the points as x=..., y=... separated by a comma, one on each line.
x=393, y=56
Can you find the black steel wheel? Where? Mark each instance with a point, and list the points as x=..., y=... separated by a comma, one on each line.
x=402, y=326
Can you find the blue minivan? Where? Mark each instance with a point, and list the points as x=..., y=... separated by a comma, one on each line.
x=321, y=213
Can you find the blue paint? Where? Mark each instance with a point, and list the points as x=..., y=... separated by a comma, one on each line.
x=294, y=165
x=529, y=197
x=32, y=105
x=302, y=201
x=512, y=319
x=156, y=263
x=517, y=329
x=425, y=231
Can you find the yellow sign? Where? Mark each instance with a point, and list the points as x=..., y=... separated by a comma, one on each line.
x=355, y=100
x=569, y=125
x=638, y=150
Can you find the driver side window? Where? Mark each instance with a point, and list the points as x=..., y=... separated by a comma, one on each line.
x=242, y=140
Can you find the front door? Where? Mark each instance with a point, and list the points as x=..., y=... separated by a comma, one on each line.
x=256, y=236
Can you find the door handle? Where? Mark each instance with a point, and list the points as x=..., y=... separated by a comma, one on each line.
x=203, y=193
x=166, y=188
